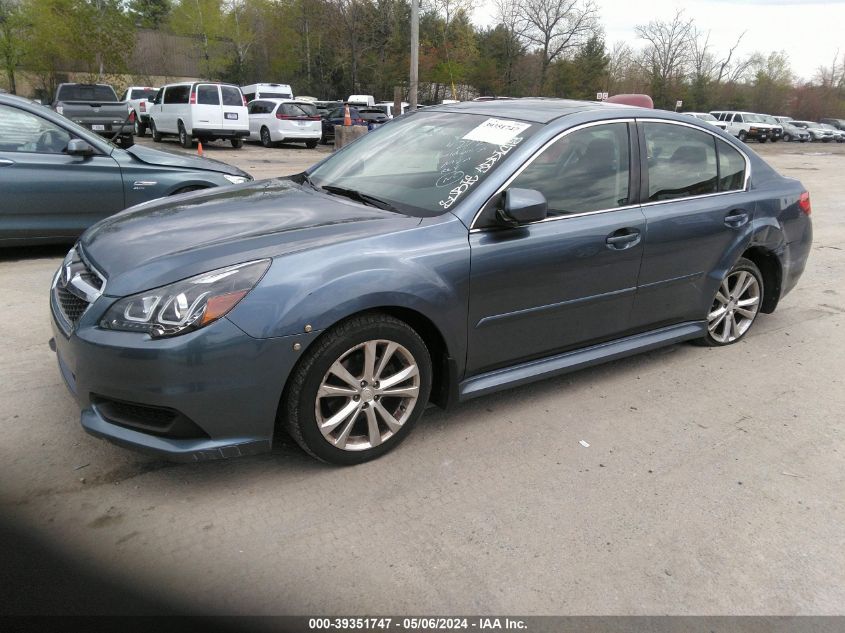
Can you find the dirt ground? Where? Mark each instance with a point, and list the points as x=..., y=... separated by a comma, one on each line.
x=712, y=484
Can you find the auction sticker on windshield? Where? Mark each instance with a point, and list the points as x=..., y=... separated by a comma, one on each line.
x=496, y=131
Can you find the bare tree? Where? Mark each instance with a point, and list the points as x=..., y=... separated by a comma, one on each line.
x=667, y=53
x=509, y=16
x=557, y=26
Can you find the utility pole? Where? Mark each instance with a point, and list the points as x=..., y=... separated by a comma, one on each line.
x=415, y=54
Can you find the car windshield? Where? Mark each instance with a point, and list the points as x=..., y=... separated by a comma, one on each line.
x=426, y=163
x=754, y=118
x=86, y=92
x=769, y=119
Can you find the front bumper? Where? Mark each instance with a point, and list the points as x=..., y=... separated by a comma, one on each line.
x=225, y=383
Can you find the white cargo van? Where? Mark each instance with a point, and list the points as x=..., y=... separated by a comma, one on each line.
x=361, y=100
x=205, y=111
x=267, y=91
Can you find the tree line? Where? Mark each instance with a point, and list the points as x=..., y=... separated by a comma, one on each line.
x=332, y=48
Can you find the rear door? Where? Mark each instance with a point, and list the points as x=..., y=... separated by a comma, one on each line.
x=234, y=113
x=205, y=108
x=45, y=192
x=697, y=213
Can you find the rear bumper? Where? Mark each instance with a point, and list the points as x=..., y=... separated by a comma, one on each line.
x=297, y=135
x=110, y=130
x=222, y=133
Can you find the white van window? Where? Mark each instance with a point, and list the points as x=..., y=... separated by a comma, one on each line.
x=208, y=95
x=177, y=94
x=231, y=96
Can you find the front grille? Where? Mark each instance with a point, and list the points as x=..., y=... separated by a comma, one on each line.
x=76, y=286
x=72, y=307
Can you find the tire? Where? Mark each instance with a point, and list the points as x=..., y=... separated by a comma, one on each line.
x=154, y=132
x=139, y=128
x=787, y=138
x=266, y=139
x=742, y=135
x=311, y=144
x=237, y=143
x=743, y=309
x=763, y=139
x=184, y=139
x=353, y=439
x=127, y=141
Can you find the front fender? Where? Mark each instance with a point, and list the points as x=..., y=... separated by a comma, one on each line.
x=424, y=269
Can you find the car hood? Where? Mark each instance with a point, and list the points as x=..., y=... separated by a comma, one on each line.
x=174, y=159
x=162, y=241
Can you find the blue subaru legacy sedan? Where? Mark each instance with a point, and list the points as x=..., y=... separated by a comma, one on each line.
x=456, y=251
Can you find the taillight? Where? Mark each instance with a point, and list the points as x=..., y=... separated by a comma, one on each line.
x=193, y=98
x=315, y=118
x=244, y=98
x=283, y=117
x=804, y=203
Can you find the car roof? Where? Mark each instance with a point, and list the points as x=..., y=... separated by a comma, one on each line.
x=536, y=110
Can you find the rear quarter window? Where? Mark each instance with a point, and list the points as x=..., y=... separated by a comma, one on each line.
x=681, y=162
x=731, y=168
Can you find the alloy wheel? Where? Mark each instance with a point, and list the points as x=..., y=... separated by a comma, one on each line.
x=367, y=395
x=266, y=141
x=735, y=307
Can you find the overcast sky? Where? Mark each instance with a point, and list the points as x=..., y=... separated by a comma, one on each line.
x=809, y=31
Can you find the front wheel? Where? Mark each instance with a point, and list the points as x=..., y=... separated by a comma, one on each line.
x=787, y=138
x=154, y=132
x=359, y=390
x=742, y=135
x=238, y=143
x=736, y=305
x=311, y=144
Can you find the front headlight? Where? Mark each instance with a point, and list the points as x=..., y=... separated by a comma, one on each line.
x=186, y=305
x=236, y=180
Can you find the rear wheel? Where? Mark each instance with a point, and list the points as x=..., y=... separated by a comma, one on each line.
x=735, y=306
x=359, y=390
x=266, y=139
x=787, y=137
x=154, y=132
x=140, y=129
x=184, y=139
x=311, y=144
x=237, y=143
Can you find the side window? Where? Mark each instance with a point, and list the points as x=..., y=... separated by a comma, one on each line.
x=159, y=97
x=681, y=161
x=737, y=118
x=249, y=96
x=207, y=94
x=22, y=131
x=252, y=108
x=731, y=168
x=177, y=94
x=587, y=170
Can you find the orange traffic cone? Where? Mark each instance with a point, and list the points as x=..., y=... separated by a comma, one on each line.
x=199, y=148
x=347, y=118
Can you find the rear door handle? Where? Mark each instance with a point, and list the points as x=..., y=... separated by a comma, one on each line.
x=736, y=218
x=623, y=238
x=5, y=163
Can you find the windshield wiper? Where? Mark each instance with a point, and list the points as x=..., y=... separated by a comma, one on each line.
x=305, y=178
x=360, y=196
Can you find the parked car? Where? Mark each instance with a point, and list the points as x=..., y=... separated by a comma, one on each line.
x=267, y=91
x=839, y=124
x=340, y=301
x=58, y=178
x=324, y=108
x=709, y=118
x=374, y=117
x=744, y=125
x=336, y=117
x=388, y=106
x=775, y=126
x=96, y=107
x=205, y=111
x=838, y=135
x=274, y=121
x=139, y=100
x=816, y=130
x=361, y=100
x=794, y=133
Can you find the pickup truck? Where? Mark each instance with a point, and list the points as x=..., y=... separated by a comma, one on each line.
x=96, y=107
x=139, y=99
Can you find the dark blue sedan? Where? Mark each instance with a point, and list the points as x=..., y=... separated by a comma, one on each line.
x=454, y=252
x=58, y=178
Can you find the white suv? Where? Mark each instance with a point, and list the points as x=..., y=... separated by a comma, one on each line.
x=275, y=120
x=206, y=111
x=139, y=99
x=745, y=125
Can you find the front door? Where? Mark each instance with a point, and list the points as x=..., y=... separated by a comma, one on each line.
x=568, y=281
x=45, y=192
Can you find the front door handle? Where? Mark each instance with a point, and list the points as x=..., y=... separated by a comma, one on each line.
x=5, y=162
x=623, y=238
x=736, y=218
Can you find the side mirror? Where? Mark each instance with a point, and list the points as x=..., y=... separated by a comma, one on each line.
x=78, y=147
x=522, y=206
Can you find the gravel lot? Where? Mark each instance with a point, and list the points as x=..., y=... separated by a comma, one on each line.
x=713, y=481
